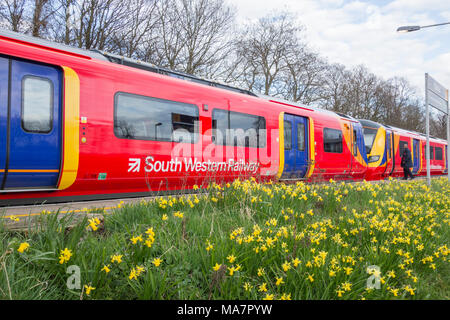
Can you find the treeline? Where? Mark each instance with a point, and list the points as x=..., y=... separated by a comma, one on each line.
x=201, y=37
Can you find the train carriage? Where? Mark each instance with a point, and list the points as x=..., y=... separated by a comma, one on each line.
x=385, y=144
x=79, y=125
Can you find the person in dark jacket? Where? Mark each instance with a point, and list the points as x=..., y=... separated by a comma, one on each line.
x=407, y=163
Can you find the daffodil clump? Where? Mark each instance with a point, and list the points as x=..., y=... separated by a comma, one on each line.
x=248, y=239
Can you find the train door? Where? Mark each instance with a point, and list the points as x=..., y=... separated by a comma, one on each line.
x=289, y=154
x=4, y=71
x=33, y=143
x=389, y=153
x=296, y=146
x=392, y=145
x=358, y=168
x=416, y=156
x=348, y=135
x=446, y=159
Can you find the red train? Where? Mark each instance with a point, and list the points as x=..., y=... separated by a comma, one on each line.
x=77, y=125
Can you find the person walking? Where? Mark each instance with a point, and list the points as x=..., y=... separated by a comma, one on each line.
x=406, y=164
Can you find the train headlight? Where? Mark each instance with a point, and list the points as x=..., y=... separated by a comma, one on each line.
x=374, y=158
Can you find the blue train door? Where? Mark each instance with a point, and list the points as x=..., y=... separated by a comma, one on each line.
x=446, y=159
x=4, y=71
x=416, y=156
x=33, y=129
x=295, y=147
x=389, y=153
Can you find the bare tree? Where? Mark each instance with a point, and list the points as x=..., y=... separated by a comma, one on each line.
x=139, y=29
x=335, y=88
x=42, y=13
x=13, y=14
x=192, y=35
x=64, y=21
x=304, y=76
x=361, y=86
x=264, y=49
x=438, y=125
x=96, y=22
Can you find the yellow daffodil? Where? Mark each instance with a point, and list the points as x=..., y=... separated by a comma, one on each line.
x=261, y=272
x=65, y=256
x=268, y=297
x=157, y=262
x=279, y=281
x=88, y=289
x=263, y=287
x=23, y=247
x=116, y=258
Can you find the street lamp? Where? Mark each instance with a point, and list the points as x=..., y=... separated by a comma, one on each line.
x=405, y=29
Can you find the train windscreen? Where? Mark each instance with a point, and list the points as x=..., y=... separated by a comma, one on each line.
x=369, y=138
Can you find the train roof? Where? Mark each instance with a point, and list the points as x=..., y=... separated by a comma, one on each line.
x=50, y=44
x=172, y=73
x=374, y=124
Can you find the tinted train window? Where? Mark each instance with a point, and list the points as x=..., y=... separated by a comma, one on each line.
x=301, y=136
x=287, y=135
x=438, y=153
x=37, y=96
x=145, y=118
x=431, y=153
x=238, y=129
x=369, y=138
x=332, y=140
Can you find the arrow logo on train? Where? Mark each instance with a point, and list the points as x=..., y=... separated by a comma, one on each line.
x=134, y=165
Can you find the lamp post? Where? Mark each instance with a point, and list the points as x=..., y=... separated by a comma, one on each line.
x=405, y=29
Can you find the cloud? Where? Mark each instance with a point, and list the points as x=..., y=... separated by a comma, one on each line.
x=356, y=32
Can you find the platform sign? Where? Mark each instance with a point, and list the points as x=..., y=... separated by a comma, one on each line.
x=436, y=95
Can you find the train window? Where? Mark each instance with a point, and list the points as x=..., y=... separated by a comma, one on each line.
x=301, y=136
x=287, y=135
x=438, y=153
x=220, y=126
x=238, y=129
x=332, y=140
x=369, y=138
x=355, y=144
x=37, y=101
x=431, y=153
x=146, y=118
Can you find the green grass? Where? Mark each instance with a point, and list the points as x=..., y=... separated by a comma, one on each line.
x=268, y=228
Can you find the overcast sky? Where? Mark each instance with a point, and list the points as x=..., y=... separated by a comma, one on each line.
x=355, y=32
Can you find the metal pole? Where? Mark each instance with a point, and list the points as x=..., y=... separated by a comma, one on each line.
x=434, y=25
x=427, y=149
x=448, y=140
